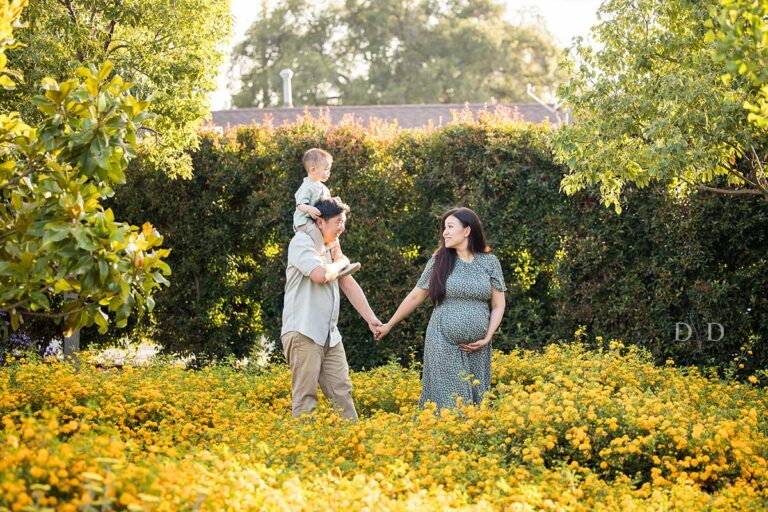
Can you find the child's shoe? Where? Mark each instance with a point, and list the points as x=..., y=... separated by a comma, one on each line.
x=352, y=267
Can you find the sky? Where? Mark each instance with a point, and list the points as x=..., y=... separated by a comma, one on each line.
x=566, y=19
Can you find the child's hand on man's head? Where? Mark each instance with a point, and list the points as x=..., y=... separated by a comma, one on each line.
x=314, y=213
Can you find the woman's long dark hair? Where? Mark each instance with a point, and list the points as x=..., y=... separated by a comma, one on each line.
x=445, y=259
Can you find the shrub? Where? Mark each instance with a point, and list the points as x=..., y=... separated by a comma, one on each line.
x=567, y=260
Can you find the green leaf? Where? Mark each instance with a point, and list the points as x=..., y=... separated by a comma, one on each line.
x=101, y=320
x=40, y=301
x=6, y=82
x=105, y=70
x=62, y=285
x=103, y=271
x=49, y=84
x=16, y=320
x=55, y=234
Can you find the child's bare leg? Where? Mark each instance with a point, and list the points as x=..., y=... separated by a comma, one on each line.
x=352, y=267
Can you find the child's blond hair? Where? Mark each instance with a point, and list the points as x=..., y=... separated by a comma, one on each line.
x=313, y=157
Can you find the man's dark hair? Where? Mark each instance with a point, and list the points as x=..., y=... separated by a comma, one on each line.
x=329, y=208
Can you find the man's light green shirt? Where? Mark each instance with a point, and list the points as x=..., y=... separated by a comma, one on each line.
x=309, y=308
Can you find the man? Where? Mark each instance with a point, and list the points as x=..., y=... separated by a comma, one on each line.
x=311, y=341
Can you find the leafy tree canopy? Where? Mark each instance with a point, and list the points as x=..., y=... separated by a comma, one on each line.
x=650, y=104
x=393, y=51
x=168, y=49
x=62, y=255
x=740, y=30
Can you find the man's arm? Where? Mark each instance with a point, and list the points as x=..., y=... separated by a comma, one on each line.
x=326, y=273
x=330, y=271
x=358, y=300
x=303, y=256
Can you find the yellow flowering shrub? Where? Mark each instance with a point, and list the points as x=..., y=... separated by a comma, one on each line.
x=563, y=429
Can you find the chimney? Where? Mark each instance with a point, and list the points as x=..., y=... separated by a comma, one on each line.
x=286, y=75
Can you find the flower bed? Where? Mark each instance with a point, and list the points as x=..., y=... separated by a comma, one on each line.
x=565, y=429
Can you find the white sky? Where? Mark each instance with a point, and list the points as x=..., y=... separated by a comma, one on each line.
x=564, y=18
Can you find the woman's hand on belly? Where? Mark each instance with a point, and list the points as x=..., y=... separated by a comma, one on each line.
x=474, y=346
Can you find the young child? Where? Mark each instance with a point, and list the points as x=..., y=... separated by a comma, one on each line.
x=317, y=163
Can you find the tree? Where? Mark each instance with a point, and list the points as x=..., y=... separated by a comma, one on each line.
x=444, y=52
x=169, y=49
x=394, y=51
x=55, y=236
x=740, y=30
x=650, y=105
x=295, y=35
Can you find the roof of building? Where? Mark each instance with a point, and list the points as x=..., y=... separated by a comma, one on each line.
x=406, y=116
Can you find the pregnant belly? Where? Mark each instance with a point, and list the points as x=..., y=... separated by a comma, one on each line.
x=463, y=323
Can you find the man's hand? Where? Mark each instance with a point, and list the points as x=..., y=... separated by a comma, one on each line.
x=373, y=326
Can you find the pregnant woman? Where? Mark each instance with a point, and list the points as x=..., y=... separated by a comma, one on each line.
x=464, y=281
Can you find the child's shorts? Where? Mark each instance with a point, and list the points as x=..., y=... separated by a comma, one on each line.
x=313, y=231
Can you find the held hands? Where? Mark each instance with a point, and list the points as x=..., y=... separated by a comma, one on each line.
x=474, y=346
x=373, y=325
x=382, y=330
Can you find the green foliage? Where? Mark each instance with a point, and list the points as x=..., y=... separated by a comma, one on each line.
x=568, y=261
x=393, y=51
x=740, y=30
x=57, y=239
x=169, y=50
x=651, y=107
x=699, y=260
x=290, y=34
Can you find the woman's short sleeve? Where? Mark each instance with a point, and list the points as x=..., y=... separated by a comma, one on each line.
x=497, y=277
x=424, y=279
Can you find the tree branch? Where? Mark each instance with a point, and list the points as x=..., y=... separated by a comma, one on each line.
x=54, y=315
x=760, y=166
x=8, y=309
x=109, y=36
x=30, y=169
x=112, y=50
x=68, y=5
x=740, y=175
x=761, y=186
x=11, y=307
x=724, y=191
x=732, y=146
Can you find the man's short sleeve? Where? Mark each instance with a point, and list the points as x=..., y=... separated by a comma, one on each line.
x=302, y=254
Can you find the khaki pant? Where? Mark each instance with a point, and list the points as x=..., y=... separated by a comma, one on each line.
x=311, y=364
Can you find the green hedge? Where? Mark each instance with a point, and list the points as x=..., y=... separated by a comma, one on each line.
x=569, y=261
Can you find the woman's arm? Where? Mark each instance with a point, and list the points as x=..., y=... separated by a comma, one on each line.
x=498, y=303
x=412, y=301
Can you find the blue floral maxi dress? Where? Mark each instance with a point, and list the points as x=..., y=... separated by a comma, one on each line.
x=463, y=317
